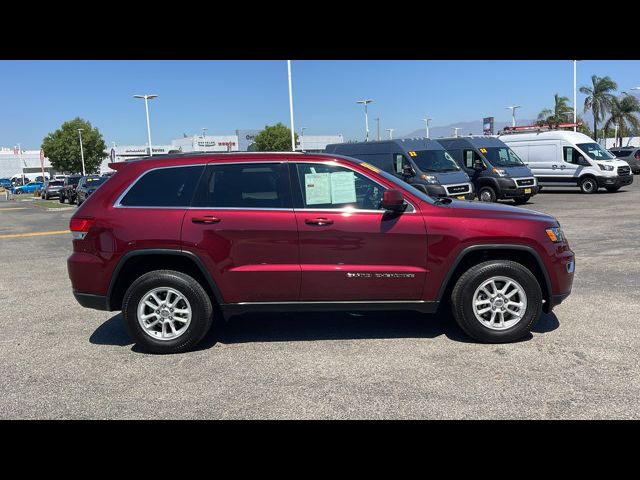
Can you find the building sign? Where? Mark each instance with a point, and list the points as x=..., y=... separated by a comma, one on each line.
x=246, y=139
x=487, y=125
x=206, y=143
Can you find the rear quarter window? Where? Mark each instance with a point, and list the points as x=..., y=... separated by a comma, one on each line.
x=164, y=187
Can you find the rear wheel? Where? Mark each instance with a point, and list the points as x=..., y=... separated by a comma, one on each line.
x=588, y=185
x=612, y=189
x=61, y=198
x=167, y=311
x=487, y=194
x=497, y=301
x=521, y=200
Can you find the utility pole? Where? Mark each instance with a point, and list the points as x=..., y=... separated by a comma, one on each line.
x=378, y=122
x=426, y=122
x=390, y=130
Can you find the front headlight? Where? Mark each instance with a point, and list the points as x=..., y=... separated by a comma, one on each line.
x=501, y=173
x=555, y=234
x=608, y=168
x=429, y=178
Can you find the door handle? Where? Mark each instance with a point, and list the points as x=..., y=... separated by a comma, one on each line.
x=209, y=219
x=554, y=167
x=562, y=167
x=318, y=221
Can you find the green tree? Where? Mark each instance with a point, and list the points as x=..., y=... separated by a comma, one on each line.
x=274, y=138
x=561, y=112
x=599, y=99
x=62, y=147
x=624, y=112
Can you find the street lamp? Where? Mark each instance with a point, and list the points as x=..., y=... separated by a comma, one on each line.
x=146, y=108
x=390, y=130
x=378, y=129
x=204, y=138
x=426, y=123
x=366, y=117
x=455, y=131
x=293, y=130
x=513, y=113
x=81, y=150
x=575, y=107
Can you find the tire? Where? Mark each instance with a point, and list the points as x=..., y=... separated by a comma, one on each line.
x=47, y=197
x=199, y=304
x=72, y=200
x=588, y=185
x=61, y=198
x=487, y=194
x=467, y=291
x=612, y=189
x=521, y=200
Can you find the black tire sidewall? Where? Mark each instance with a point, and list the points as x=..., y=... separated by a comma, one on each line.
x=490, y=190
x=462, y=300
x=200, y=302
x=586, y=180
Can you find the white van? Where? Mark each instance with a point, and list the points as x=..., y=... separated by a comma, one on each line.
x=561, y=158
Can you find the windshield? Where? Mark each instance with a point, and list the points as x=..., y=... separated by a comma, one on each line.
x=414, y=191
x=595, y=151
x=434, y=161
x=502, y=157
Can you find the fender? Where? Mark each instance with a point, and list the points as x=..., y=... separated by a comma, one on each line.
x=488, y=181
x=163, y=251
x=493, y=246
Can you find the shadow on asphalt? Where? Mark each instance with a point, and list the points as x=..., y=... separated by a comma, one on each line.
x=317, y=326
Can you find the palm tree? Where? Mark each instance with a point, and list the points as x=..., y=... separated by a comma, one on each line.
x=560, y=113
x=623, y=114
x=599, y=99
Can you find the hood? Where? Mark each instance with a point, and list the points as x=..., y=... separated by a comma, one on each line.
x=616, y=162
x=476, y=209
x=517, y=172
x=447, y=178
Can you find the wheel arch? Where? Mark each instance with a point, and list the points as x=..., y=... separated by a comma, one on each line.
x=138, y=262
x=475, y=254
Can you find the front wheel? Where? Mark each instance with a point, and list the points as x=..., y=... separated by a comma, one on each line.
x=497, y=301
x=612, y=189
x=61, y=198
x=588, y=185
x=167, y=311
x=487, y=194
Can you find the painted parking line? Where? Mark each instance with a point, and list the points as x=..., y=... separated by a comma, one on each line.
x=12, y=208
x=35, y=234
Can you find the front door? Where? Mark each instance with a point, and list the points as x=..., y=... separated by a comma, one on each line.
x=570, y=166
x=350, y=248
x=242, y=225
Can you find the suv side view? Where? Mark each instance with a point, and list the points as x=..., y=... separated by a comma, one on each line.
x=167, y=239
x=68, y=190
x=631, y=155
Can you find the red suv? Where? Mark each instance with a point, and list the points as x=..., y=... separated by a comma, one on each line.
x=167, y=238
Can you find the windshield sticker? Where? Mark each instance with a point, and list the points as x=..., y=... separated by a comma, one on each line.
x=483, y=150
x=413, y=154
x=343, y=187
x=317, y=189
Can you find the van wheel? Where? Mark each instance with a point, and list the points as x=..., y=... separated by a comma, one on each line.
x=521, y=200
x=612, y=189
x=497, y=301
x=487, y=194
x=167, y=311
x=588, y=185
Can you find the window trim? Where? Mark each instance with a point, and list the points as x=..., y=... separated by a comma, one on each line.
x=343, y=209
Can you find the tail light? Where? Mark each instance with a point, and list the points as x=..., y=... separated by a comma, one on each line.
x=637, y=155
x=80, y=227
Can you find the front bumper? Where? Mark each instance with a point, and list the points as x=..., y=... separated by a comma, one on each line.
x=617, y=181
x=509, y=189
x=442, y=191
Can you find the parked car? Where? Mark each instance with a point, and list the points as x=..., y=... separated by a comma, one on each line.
x=561, y=158
x=495, y=170
x=631, y=155
x=165, y=239
x=5, y=183
x=51, y=188
x=421, y=162
x=87, y=186
x=30, y=187
x=68, y=191
x=60, y=177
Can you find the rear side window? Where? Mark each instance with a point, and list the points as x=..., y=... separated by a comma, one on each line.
x=164, y=187
x=245, y=185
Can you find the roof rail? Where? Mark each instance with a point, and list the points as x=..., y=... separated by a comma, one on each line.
x=539, y=128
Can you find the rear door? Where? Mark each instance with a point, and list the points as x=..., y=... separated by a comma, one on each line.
x=242, y=225
x=350, y=248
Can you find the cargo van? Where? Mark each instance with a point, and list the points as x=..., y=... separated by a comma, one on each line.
x=421, y=162
x=496, y=171
x=563, y=159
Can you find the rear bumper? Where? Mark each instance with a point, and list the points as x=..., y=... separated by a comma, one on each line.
x=618, y=181
x=90, y=300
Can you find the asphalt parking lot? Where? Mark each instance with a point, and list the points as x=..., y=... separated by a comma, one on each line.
x=60, y=360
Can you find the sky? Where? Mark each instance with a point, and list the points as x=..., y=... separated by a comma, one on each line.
x=222, y=96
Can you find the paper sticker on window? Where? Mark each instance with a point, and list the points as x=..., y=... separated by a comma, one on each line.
x=343, y=187
x=317, y=188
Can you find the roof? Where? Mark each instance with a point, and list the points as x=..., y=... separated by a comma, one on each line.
x=383, y=146
x=475, y=141
x=575, y=137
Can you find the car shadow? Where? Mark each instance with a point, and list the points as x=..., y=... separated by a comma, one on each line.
x=576, y=191
x=317, y=326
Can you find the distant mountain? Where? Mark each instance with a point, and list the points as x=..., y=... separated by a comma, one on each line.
x=466, y=128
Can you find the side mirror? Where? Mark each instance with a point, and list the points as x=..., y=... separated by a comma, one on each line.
x=408, y=171
x=393, y=200
x=478, y=165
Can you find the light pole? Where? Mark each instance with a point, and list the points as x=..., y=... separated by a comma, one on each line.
x=21, y=161
x=390, y=130
x=81, y=150
x=575, y=107
x=366, y=117
x=146, y=108
x=204, y=139
x=426, y=124
x=293, y=131
x=513, y=113
x=455, y=131
x=378, y=123
x=302, y=138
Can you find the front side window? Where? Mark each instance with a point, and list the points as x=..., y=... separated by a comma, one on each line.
x=164, y=187
x=399, y=161
x=469, y=157
x=434, y=161
x=595, y=151
x=244, y=185
x=333, y=187
x=570, y=155
x=502, y=157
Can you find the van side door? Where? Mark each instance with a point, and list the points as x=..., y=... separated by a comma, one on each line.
x=570, y=167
